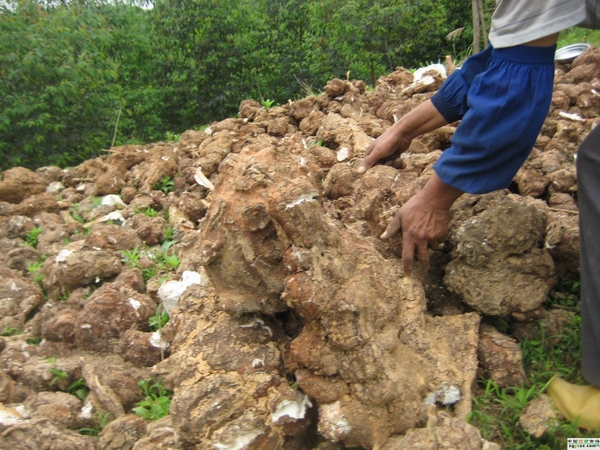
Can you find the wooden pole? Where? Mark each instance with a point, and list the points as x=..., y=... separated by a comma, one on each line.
x=482, y=23
x=476, y=28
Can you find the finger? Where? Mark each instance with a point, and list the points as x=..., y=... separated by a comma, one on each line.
x=423, y=255
x=366, y=165
x=393, y=227
x=408, y=253
x=371, y=159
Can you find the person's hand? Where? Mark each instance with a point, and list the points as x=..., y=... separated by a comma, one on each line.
x=424, y=221
x=384, y=146
x=422, y=225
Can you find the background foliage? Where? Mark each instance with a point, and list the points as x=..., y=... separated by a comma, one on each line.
x=66, y=72
x=79, y=76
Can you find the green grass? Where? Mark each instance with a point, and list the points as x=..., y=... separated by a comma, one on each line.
x=578, y=35
x=496, y=410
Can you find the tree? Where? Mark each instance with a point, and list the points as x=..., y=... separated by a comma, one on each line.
x=372, y=38
x=213, y=56
x=67, y=70
x=75, y=71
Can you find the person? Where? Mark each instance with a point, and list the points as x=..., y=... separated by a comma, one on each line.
x=582, y=403
x=502, y=96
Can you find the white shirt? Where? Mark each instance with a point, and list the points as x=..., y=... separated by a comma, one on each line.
x=518, y=21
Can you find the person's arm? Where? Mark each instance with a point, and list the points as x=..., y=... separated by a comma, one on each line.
x=424, y=221
x=397, y=138
x=424, y=218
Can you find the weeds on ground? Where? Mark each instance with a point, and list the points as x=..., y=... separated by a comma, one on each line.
x=159, y=319
x=307, y=90
x=267, y=103
x=79, y=389
x=166, y=260
x=172, y=137
x=95, y=202
x=59, y=375
x=166, y=184
x=149, y=212
x=100, y=422
x=35, y=269
x=64, y=296
x=76, y=213
x=496, y=410
x=163, y=258
x=11, y=331
x=169, y=235
x=31, y=238
x=157, y=400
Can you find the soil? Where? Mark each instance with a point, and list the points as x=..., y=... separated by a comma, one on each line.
x=292, y=326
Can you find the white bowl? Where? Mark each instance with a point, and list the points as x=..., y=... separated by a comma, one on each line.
x=569, y=53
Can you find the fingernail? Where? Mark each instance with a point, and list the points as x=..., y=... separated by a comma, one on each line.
x=384, y=236
x=362, y=169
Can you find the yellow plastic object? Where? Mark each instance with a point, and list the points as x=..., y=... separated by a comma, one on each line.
x=576, y=402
